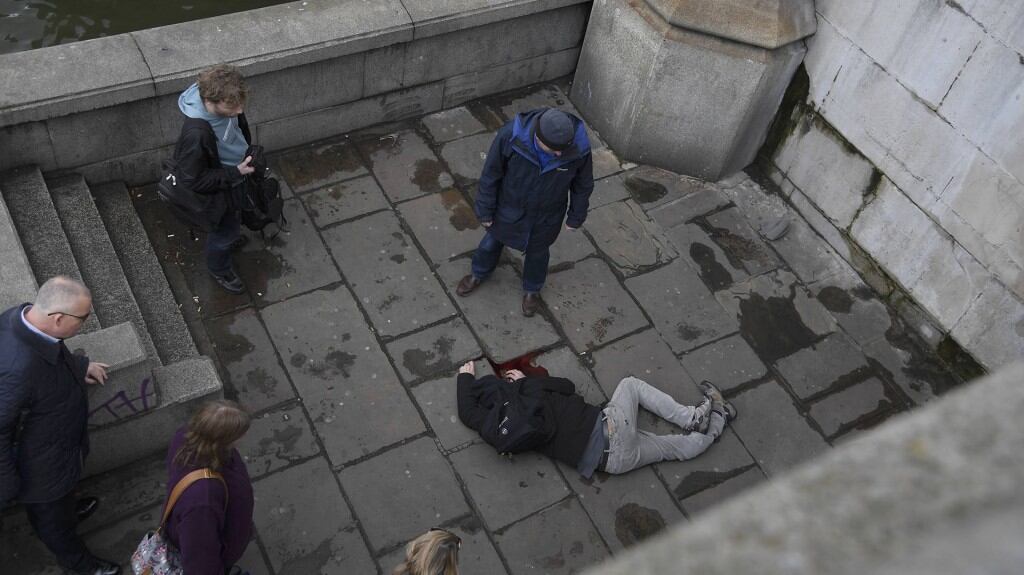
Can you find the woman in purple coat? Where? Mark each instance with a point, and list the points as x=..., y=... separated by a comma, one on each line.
x=209, y=525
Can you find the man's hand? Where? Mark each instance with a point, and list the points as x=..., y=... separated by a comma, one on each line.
x=514, y=375
x=486, y=224
x=468, y=367
x=244, y=168
x=96, y=374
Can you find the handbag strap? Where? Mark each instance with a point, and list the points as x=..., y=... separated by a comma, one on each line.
x=184, y=483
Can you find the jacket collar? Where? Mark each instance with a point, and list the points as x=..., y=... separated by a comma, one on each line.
x=524, y=129
x=50, y=351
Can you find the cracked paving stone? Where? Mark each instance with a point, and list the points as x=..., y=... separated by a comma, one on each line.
x=466, y=157
x=630, y=240
x=476, y=556
x=682, y=210
x=724, y=459
x=277, y=439
x=560, y=539
x=439, y=349
x=607, y=191
x=652, y=187
x=819, y=367
x=246, y=354
x=403, y=163
x=722, y=492
x=444, y=224
x=448, y=125
x=727, y=363
x=439, y=404
x=344, y=201
x=714, y=267
x=841, y=410
x=772, y=429
x=315, y=166
x=730, y=231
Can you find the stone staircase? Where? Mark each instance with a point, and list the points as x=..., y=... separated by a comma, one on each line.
x=61, y=225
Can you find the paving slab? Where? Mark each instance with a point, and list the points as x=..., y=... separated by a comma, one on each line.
x=683, y=310
x=544, y=96
x=433, y=351
x=562, y=362
x=861, y=314
x=129, y=489
x=277, y=439
x=591, y=305
x=437, y=399
x=728, y=363
x=388, y=274
x=623, y=232
x=652, y=187
x=605, y=162
x=841, y=410
x=684, y=209
x=494, y=311
x=413, y=482
x=286, y=190
x=310, y=167
x=344, y=200
x=730, y=230
x=561, y=539
x=716, y=269
x=254, y=375
x=776, y=314
x=252, y=560
x=607, y=191
x=452, y=124
x=822, y=366
x=443, y=223
x=773, y=431
x=22, y=551
x=465, y=157
x=342, y=375
x=916, y=372
x=504, y=490
x=294, y=262
x=570, y=248
x=403, y=163
x=810, y=257
x=726, y=458
x=722, y=492
x=627, y=508
x=304, y=524
x=477, y=555
x=117, y=541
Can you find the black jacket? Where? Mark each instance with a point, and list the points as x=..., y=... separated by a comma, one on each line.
x=574, y=418
x=199, y=164
x=44, y=411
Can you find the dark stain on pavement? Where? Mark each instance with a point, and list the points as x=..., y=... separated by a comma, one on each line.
x=427, y=175
x=313, y=562
x=773, y=326
x=284, y=438
x=397, y=258
x=700, y=480
x=422, y=363
x=713, y=274
x=259, y=380
x=634, y=523
x=688, y=332
x=336, y=362
x=645, y=191
x=316, y=166
x=231, y=347
x=460, y=215
x=738, y=248
x=835, y=299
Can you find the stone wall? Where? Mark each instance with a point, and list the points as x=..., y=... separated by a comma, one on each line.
x=902, y=146
x=107, y=108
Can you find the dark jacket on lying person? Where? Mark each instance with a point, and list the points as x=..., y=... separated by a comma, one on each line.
x=574, y=418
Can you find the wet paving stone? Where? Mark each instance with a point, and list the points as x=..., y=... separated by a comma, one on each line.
x=683, y=210
x=244, y=350
x=465, y=157
x=773, y=431
x=342, y=375
x=569, y=248
x=627, y=508
x=725, y=458
x=628, y=238
x=387, y=274
x=723, y=491
x=504, y=490
x=855, y=306
x=561, y=539
x=126, y=490
x=547, y=96
x=403, y=163
x=476, y=556
x=906, y=364
x=607, y=191
x=277, y=439
x=294, y=262
x=562, y=362
x=305, y=525
x=728, y=363
x=413, y=482
x=439, y=349
x=444, y=224
x=683, y=310
x=448, y=125
x=810, y=257
x=311, y=167
x=652, y=187
x=741, y=244
x=717, y=270
x=841, y=410
x=494, y=310
x=818, y=368
x=437, y=399
x=275, y=172
x=344, y=201
x=605, y=163
x=591, y=306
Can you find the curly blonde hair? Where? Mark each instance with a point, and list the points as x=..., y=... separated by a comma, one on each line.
x=223, y=83
x=436, y=552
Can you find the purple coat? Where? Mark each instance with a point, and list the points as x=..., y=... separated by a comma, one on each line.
x=210, y=538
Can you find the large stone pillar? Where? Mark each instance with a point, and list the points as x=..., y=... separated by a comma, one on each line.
x=689, y=85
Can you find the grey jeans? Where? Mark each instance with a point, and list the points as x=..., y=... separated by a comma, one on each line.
x=630, y=448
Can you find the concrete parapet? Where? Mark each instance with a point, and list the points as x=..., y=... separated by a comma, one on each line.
x=19, y=284
x=129, y=389
x=940, y=490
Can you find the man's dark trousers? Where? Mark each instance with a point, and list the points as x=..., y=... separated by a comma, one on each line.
x=535, y=262
x=55, y=524
x=218, y=243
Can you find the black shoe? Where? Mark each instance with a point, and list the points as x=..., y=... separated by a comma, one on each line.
x=467, y=285
x=240, y=243
x=103, y=567
x=531, y=303
x=718, y=403
x=85, y=507
x=230, y=282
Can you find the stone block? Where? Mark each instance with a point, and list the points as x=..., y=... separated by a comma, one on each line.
x=769, y=24
x=134, y=169
x=343, y=377
x=412, y=481
x=443, y=223
x=129, y=389
x=812, y=258
x=716, y=269
x=19, y=284
x=591, y=306
x=477, y=554
x=822, y=366
x=727, y=363
x=437, y=17
x=683, y=310
x=403, y=164
x=626, y=509
x=438, y=402
x=623, y=232
x=740, y=243
x=123, y=129
x=722, y=492
x=844, y=409
x=387, y=274
x=325, y=83
x=277, y=439
x=725, y=459
x=434, y=351
x=505, y=490
x=607, y=191
x=605, y=162
x=25, y=144
x=343, y=201
x=494, y=311
x=317, y=165
x=465, y=157
x=773, y=431
x=383, y=69
x=560, y=539
x=305, y=524
x=828, y=51
x=562, y=362
x=682, y=210
x=452, y=124
x=465, y=87
x=992, y=329
x=863, y=316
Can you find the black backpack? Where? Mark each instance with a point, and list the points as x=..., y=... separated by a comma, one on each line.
x=186, y=205
x=519, y=419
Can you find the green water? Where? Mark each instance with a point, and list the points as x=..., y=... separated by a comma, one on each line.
x=29, y=24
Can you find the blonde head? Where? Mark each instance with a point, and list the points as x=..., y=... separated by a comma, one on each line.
x=436, y=552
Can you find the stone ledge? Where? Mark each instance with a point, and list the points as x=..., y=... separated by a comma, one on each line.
x=435, y=17
x=766, y=24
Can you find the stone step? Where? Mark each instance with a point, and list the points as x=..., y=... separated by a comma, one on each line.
x=180, y=389
x=161, y=312
x=18, y=285
x=112, y=297
x=42, y=236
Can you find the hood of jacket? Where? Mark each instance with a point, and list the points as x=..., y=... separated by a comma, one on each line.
x=524, y=128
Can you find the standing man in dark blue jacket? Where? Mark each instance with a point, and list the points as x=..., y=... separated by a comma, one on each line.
x=538, y=173
x=43, y=413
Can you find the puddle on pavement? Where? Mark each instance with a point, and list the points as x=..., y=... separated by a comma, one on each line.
x=773, y=326
x=645, y=191
x=460, y=215
x=281, y=440
x=737, y=248
x=713, y=274
x=303, y=169
x=634, y=523
x=422, y=363
x=334, y=363
x=429, y=175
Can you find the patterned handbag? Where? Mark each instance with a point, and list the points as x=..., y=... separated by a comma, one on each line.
x=154, y=555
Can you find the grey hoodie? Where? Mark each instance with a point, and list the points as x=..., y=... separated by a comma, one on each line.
x=231, y=144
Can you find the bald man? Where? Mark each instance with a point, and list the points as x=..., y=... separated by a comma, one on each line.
x=43, y=413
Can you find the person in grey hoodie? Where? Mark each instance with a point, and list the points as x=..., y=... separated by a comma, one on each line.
x=211, y=159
